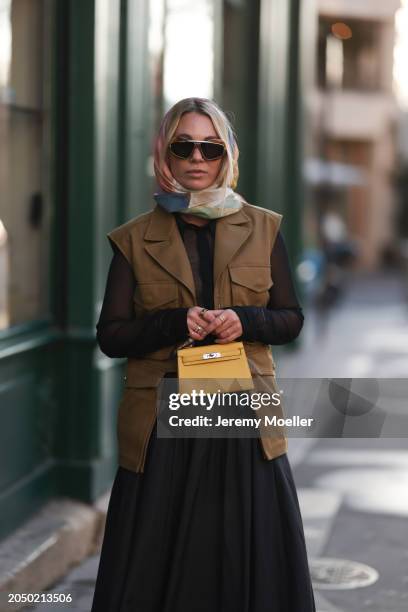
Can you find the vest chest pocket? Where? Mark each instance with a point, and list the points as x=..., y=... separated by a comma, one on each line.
x=155, y=295
x=250, y=285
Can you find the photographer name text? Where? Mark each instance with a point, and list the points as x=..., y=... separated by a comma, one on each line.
x=268, y=421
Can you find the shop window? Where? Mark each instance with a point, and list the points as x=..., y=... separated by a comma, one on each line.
x=23, y=125
x=356, y=59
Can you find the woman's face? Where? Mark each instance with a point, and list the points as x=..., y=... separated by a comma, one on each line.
x=196, y=172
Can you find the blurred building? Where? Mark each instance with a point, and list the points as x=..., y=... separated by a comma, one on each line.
x=353, y=121
x=83, y=86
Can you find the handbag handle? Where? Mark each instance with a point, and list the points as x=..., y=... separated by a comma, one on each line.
x=186, y=344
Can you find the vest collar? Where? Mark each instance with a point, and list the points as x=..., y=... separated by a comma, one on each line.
x=164, y=243
x=230, y=234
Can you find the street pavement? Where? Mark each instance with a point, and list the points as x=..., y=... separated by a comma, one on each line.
x=366, y=336
x=353, y=492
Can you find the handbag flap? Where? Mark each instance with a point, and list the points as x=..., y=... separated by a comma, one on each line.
x=197, y=359
x=223, y=366
x=211, y=352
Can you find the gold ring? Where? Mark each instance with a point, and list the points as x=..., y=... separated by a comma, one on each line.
x=221, y=318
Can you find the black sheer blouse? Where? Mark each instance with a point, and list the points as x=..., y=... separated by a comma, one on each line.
x=120, y=334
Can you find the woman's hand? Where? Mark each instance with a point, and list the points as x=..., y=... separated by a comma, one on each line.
x=198, y=321
x=225, y=324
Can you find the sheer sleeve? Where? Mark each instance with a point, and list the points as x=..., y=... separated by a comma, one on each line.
x=119, y=332
x=281, y=321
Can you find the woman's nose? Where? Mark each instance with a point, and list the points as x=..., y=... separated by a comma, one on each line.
x=196, y=154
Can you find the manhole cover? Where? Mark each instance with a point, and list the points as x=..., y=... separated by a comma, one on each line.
x=341, y=574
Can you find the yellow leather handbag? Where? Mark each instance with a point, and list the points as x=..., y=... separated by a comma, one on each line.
x=214, y=367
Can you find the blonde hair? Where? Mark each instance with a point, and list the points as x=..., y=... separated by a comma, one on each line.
x=228, y=175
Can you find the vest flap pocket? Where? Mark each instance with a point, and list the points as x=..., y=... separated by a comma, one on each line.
x=256, y=278
x=156, y=295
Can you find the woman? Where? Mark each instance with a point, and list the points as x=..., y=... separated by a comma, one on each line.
x=203, y=525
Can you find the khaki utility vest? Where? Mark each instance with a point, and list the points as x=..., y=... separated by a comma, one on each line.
x=153, y=246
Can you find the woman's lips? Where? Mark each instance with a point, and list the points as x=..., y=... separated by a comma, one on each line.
x=196, y=172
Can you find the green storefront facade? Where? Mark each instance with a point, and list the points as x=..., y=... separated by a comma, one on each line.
x=106, y=90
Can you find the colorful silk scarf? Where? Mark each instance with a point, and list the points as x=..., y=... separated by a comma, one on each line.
x=211, y=203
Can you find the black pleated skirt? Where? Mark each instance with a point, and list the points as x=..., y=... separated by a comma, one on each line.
x=210, y=526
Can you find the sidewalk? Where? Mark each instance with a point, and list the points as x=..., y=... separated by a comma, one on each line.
x=365, y=337
x=352, y=492
x=61, y=535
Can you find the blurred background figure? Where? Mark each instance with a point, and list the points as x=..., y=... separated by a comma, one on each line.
x=338, y=252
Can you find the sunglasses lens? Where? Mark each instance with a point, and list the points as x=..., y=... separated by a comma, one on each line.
x=182, y=148
x=212, y=150
x=209, y=150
